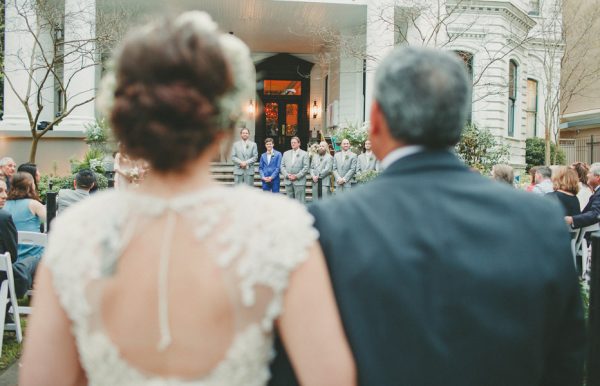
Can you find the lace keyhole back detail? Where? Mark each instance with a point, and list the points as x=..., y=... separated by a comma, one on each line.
x=204, y=274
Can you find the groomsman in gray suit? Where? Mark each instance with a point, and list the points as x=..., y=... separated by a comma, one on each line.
x=344, y=167
x=366, y=160
x=294, y=168
x=321, y=168
x=244, y=154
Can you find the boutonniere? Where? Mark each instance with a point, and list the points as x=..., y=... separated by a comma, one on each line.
x=346, y=157
x=371, y=159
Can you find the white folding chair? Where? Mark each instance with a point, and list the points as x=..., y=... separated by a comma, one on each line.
x=574, y=236
x=8, y=294
x=581, y=246
x=31, y=238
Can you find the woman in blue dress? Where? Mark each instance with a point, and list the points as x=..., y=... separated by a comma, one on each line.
x=28, y=213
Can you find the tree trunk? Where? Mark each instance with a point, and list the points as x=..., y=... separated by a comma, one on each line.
x=547, y=143
x=33, y=150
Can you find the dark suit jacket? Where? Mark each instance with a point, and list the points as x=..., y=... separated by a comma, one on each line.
x=8, y=235
x=589, y=214
x=454, y=280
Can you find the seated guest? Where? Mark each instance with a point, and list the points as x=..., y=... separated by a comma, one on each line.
x=32, y=169
x=8, y=167
x=84, y=181
x=27, y=212
x=531, y=185
x=503, y=173
x=585, y=192
x=8, y=243
x=26, y=209
x=8, y=231
x=565, y=185
x=543, y=181
x=589, y=214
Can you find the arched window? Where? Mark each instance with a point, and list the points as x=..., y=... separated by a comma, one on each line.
x=512, y=96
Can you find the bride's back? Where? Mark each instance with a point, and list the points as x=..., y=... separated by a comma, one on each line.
x=177, y=288
x=180, y=281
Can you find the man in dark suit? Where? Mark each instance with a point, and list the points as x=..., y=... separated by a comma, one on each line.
x=268, y=167
x=442, y=276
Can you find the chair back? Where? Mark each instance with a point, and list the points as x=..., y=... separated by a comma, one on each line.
x=9, y=295
x=33, y=238
x=581, y=246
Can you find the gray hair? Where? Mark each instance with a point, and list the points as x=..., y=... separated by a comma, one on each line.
x=503, y=173
x=595, y=168
x=5, y=161
x=545, y=171
x=424, y=95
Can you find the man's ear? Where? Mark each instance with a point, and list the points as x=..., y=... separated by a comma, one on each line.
x=376, y=120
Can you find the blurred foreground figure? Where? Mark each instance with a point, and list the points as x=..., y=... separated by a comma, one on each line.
x=169, y=283
x=465, y=283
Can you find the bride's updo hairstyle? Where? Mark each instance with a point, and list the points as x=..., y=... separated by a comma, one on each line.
x=177, y=83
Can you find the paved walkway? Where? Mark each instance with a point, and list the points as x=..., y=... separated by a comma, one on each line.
x=10, y=376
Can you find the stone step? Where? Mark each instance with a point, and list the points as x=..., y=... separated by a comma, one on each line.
x=222, y=173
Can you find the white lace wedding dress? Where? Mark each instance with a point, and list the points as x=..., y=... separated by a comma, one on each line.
x=260, y=239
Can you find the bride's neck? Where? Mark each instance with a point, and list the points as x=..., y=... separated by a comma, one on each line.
x=195, y=176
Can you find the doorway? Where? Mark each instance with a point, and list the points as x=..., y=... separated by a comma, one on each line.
x=284, y=93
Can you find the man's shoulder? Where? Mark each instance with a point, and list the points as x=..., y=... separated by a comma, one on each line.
x=4, y=215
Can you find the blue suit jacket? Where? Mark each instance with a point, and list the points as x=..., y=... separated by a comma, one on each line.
x=270, y=169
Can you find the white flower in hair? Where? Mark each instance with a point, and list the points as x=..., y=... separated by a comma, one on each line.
x=200, y=21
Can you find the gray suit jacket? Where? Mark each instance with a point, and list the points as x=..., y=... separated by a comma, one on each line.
x=444, y=286
x=67, y=197
x=244, y=153
x=364, y=163
x=299, y=167
x=322, y=166
x=344, y=168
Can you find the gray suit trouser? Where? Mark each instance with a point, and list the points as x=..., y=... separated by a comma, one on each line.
x=343, y=188
x=325, y=192
x=297, y=192
x=240, y=179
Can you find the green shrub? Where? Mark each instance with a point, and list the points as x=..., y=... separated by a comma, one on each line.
x=367, y=176
x=356, y=134
x=535, y=153
x=479, y=149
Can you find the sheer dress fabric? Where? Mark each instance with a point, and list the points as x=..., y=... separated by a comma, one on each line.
x=259, y=240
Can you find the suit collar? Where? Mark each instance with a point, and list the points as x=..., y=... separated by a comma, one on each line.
x=426, y=159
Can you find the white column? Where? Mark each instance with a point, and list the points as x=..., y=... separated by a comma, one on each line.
x=380, y=40
x=80, y=59
x=19, y=46
x=351, y=99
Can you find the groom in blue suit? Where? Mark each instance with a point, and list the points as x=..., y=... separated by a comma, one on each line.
x=269, y=165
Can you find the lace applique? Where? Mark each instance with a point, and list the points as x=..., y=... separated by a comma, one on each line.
x=265, y=238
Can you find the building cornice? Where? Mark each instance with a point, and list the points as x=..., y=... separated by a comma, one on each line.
x=54, y=134
x=504, y=8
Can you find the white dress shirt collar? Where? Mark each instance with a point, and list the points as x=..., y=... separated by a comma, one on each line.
x=400, y=152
